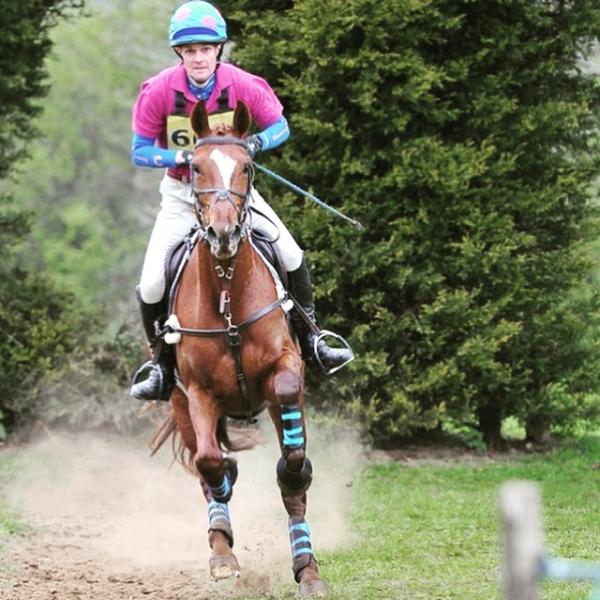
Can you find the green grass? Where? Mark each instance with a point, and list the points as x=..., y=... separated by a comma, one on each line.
x=10, y=522
x=431, y=531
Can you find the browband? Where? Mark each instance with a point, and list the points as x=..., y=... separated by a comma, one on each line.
x=221, y=140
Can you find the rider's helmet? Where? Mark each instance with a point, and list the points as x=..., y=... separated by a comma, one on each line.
x=197, y=22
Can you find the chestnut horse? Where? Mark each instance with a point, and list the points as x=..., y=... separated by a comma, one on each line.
x=236, y=355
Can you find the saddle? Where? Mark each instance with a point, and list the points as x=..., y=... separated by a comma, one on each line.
x=180, y=255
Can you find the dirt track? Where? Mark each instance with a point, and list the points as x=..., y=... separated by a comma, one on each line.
x=109, y=522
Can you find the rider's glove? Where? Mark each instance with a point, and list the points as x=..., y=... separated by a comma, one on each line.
x=254, y=143
x=184, y=157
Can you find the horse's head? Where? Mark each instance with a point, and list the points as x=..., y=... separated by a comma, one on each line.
x=222, y=179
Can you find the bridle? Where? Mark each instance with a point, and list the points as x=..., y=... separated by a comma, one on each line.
x=222, y=194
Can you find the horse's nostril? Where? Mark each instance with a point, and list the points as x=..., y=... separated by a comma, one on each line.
x=211, y=234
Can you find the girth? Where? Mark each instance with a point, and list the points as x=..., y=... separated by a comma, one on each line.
x=263, y=312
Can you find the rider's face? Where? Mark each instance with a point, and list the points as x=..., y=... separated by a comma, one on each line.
x=199, y=60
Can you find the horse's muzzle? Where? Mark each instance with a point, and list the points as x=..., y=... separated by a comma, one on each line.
x=224, y=241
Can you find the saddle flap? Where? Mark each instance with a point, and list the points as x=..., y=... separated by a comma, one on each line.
x=268, y=252
x=176, y=261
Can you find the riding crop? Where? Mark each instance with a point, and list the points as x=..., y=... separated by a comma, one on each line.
x=312, y=197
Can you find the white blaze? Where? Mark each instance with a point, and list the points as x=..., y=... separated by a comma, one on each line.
x=225, y=164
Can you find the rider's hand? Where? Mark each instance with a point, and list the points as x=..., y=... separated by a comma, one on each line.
x=254, y=144
x=183, y=157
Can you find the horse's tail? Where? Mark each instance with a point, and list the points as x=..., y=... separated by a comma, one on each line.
x=242, y=438
x=168, y=428
x=182, y=455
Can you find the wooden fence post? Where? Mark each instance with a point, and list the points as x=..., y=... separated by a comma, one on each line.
x=519, y=504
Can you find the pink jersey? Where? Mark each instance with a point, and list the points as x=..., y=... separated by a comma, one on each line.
x=156, y=100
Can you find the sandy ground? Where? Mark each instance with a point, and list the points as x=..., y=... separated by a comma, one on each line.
x=110, y=522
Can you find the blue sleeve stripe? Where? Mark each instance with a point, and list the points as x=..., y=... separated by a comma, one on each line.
x=275, y=134
x=139, y=140
x=145, y=154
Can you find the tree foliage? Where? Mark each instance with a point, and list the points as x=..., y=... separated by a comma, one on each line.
x=459, y=134
x=36, y=319
x=83, y=216
x=93, y=236
x=25, y=43
x=88, y=215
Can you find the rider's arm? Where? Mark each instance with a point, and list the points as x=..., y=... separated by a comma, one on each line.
x=145, y=154
x=274, y=135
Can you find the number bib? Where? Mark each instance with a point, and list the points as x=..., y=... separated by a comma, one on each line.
x=180, y=135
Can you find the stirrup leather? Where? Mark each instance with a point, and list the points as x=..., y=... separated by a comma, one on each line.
x=325, y=333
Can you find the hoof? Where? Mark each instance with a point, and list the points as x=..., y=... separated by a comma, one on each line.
x=223, y=566
x=313, y=588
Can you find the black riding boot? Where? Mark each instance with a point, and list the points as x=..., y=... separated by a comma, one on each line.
x=155, y=379
x=331, y=359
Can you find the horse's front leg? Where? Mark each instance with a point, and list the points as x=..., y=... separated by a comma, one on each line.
x=218, y=512
x=294, y=470
x=217, y=478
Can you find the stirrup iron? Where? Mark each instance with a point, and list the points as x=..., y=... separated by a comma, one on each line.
x=142, y=373
x=325, y=333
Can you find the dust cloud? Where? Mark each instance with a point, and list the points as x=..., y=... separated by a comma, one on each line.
x=115, y=507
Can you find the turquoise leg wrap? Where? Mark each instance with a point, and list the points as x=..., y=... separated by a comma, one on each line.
x=300, y=542
x=293, y=432
x=299, y=537
x=219, y=519
x=222, y=493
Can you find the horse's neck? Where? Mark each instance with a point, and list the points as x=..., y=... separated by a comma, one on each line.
x=250, y=278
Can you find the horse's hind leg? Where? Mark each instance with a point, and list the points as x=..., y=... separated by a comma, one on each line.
x=217, y=479
x=294, y=470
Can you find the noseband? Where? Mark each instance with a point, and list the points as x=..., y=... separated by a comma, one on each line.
x=223, y=194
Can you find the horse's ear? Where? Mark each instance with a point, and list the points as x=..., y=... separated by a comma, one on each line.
x=199, y=120
x=241, y=119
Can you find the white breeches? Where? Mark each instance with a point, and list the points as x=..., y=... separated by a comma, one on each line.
x=177, y=217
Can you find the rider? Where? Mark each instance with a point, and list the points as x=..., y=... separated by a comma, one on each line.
x=162, y=138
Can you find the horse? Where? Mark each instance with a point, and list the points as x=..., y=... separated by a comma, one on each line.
x=236, y=354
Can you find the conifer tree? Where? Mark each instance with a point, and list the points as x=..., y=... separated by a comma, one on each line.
x=460, y=134
x=37, y=321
